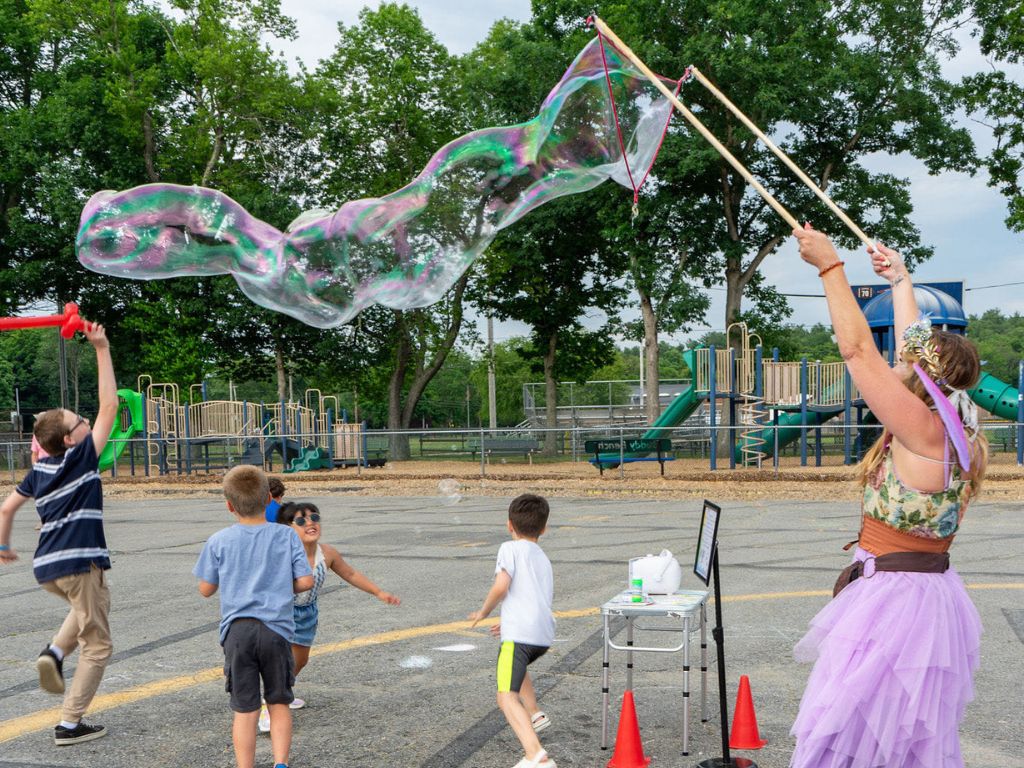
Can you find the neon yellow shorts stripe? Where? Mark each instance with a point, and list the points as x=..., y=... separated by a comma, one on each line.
x=505, y=657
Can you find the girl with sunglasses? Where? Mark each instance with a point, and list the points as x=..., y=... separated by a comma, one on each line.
x=304, y=518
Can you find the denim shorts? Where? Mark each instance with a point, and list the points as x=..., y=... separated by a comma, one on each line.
x=306, y=619
x=254, y=652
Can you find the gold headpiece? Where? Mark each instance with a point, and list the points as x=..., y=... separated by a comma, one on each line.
x=919, y=344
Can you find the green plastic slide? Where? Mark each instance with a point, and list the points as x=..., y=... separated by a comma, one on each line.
x=789, y=430
x=995, y=396
x=678, y=411
x=130, y=419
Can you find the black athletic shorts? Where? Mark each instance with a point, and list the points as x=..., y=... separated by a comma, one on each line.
x=513, y=659
x=253, y=651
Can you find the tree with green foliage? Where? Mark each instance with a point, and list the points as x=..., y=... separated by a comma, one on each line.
x=1000, y=342
x=834, y=84
x=550, y=269
x=999, y=97
x=389, y=100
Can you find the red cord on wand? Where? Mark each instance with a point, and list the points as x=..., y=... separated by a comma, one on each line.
x=69, y=321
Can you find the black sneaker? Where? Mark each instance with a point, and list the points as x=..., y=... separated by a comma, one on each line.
x=51, y=671
x=63, y=736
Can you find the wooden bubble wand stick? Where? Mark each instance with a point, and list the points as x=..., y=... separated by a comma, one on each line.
x=699, y=76
x=696, y=123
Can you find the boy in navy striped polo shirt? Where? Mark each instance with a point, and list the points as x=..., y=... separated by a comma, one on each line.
x=72, y=556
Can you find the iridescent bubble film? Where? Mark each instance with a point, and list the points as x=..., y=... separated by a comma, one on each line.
x=408, y=248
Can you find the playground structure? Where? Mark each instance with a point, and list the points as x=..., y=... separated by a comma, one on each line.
x=774, y=403
x=187, y=435
x=760, y=403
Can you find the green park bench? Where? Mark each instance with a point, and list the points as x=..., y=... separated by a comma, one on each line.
x=491, y=445
x=607, y=451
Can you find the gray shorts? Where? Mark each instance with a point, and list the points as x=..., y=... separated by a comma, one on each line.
x=253, y=651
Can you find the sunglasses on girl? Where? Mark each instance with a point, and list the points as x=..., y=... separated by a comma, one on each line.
x=300, y=520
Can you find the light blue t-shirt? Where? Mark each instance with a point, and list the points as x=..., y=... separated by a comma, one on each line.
x=248, y=565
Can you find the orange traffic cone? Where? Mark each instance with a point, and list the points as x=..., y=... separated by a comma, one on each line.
x=744, y=733
x=629, y=752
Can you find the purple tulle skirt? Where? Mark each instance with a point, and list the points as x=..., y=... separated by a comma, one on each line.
x=895, y=656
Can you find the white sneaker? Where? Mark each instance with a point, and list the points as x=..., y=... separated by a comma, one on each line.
x=264, y=722
x=540, y=721
x=540, y=761
x=297, y=703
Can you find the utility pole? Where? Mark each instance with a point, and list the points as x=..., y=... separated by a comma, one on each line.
x=492, y=405
x=62, y=365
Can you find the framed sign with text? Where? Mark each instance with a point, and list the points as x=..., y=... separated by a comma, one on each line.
x=707, y=538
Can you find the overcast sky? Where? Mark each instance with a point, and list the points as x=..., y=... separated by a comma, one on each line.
x=958, y=214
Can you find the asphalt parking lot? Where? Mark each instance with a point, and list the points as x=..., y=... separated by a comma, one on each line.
x=413, y=686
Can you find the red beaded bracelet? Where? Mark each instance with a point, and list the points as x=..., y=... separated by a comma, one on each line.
x=830, y=267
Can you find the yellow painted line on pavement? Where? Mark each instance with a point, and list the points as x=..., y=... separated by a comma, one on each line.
x=45, y=718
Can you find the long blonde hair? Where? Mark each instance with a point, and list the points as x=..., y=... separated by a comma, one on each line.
x=961, y=368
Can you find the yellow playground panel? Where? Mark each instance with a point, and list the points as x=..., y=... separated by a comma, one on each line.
x=170, y=421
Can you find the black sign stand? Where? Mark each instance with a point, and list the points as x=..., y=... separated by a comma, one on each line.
x=718, y=633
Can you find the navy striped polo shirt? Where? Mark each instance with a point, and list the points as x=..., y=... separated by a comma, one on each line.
x=69, y=500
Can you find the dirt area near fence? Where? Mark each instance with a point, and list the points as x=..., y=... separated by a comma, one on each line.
x=684, y=479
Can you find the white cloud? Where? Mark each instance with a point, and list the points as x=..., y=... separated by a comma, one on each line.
x=458, y=25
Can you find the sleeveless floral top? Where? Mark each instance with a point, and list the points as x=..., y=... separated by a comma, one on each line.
x=319, y=577
x=918, y=513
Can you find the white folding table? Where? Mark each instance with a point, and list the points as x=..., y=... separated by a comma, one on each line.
x=688, y=607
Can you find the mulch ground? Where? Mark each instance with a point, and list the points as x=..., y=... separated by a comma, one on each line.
x=684, y=479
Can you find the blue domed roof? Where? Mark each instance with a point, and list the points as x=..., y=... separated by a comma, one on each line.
x=939, y=305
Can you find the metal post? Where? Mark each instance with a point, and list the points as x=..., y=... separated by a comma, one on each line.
x=330, y=436
x=361, y=442
x=622, y=453
x=712, y=403
x=188, y=447
x=604, y=686
x=803, y=411
x=686, y=685
x=759, y=394
x=629, y=653
x=847, y=413
x=492, y=403
x=145, y=435
x=704, y=662
x=732, y=408
x=62, y=365
x=775, y=435
x=483, y=452
x=1020, y=413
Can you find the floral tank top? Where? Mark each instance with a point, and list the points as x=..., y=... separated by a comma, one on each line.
x=319, y=577
x=918, y=513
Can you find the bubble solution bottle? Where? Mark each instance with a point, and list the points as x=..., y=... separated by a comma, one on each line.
x=636, y=591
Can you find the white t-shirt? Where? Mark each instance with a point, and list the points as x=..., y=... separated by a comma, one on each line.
x=526, y=610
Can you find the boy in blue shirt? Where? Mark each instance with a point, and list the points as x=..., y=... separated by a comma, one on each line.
x=71, y=559
x=256, y=625
x=276, y=494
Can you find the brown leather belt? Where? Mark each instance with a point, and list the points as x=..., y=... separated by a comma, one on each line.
x=912, y=562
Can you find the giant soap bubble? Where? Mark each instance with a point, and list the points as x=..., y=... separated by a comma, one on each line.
x=408, y=248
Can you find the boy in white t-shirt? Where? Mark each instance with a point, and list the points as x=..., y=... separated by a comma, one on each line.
x=524, y=586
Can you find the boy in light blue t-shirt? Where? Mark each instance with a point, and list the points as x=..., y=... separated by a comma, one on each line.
x=244, y=562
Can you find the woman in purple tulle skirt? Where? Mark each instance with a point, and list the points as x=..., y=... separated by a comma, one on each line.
x=895, y=650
